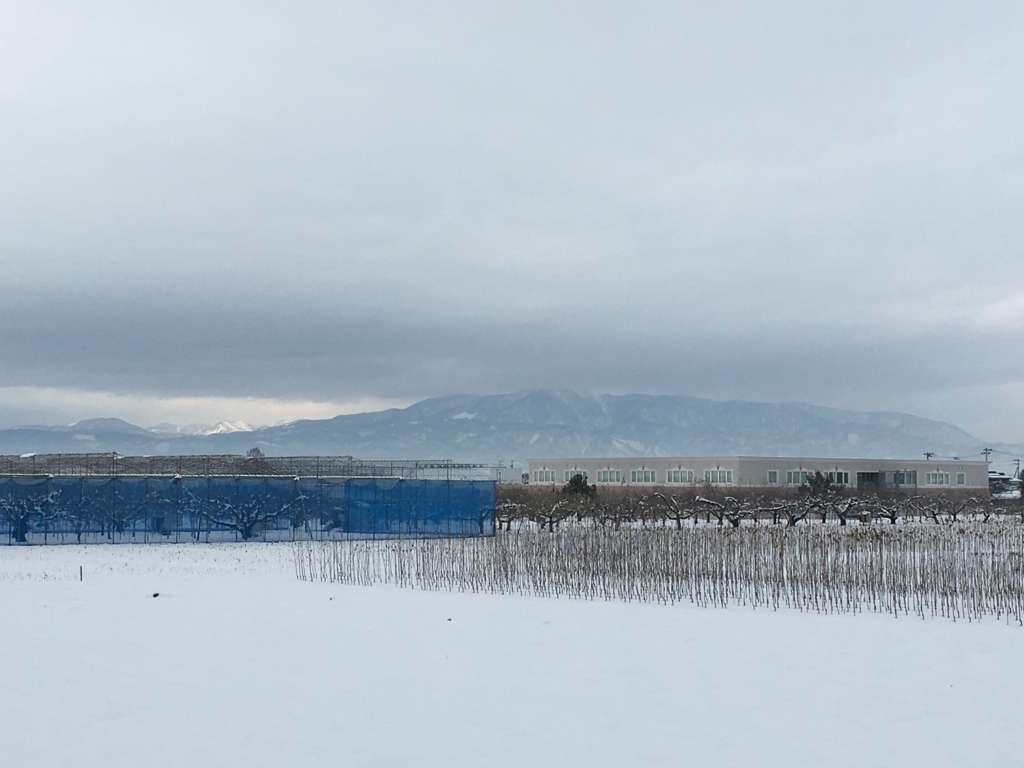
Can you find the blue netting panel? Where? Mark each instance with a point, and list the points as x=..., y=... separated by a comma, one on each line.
x=424, y=507
x=84, y=509
x=324, y=505
x=247, y=507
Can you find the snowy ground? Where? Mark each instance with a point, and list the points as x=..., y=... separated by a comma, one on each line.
x=237, y=663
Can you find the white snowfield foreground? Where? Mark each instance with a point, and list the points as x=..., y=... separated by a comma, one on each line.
x=236, y=662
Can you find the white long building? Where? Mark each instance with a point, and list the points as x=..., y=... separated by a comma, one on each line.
x=763, y=471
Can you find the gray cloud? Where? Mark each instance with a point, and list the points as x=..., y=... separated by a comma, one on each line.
x=343, y=200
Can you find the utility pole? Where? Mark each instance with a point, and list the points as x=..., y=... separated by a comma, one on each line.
x=928, y=455
x=987, y=452
x=1017, y=472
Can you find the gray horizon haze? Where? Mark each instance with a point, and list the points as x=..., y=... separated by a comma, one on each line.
x=276, y=211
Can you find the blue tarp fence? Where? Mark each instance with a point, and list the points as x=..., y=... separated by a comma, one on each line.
x=91, y=509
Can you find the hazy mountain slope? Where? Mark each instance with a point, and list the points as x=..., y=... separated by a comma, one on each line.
x=86, y=436
x=541, y=423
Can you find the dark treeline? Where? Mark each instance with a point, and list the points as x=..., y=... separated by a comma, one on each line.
x=817, y=502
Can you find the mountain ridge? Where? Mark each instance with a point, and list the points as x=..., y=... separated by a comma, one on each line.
x=540, y=424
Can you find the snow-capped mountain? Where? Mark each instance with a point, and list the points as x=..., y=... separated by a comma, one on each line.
x=221, y=428
x=227, y=428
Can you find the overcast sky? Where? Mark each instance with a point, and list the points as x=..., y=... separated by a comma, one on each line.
x=283, y=210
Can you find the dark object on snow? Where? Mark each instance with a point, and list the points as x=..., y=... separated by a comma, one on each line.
x=156, y=594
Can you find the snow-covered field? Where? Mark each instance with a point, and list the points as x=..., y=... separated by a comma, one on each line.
x=237, y=663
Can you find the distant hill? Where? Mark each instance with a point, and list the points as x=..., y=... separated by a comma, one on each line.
x=538, y=423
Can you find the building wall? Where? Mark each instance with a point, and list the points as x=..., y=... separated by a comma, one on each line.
x=757, y=471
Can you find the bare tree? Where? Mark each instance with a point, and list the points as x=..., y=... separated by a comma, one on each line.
x=892, y=508
x=80, y=513
x=796, y=510
x=246, y=517
x=19, y=512
x=513, y=504
x=843, y=509
x=676, y=508
x=729, y=510
x=943, y=508
x=958, y=505
x=550, y=514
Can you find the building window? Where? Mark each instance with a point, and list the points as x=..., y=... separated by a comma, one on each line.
x=773, y=476
x=609, y=476
x=642, y=476
x=544, y=476
x=679, y=476
x=796, y=477
x=718, y=476
x=571, y=473
x=839, y=478
x=905, y=478
x=961, y=478
x=937, y=478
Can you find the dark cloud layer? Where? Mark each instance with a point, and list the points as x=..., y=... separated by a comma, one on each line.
x=340, y=200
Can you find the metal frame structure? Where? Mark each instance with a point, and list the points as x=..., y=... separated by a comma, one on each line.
x=231, y=465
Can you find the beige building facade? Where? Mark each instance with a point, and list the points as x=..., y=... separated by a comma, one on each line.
x=763, y=472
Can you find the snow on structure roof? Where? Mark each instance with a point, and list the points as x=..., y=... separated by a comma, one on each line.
x=113, y=464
